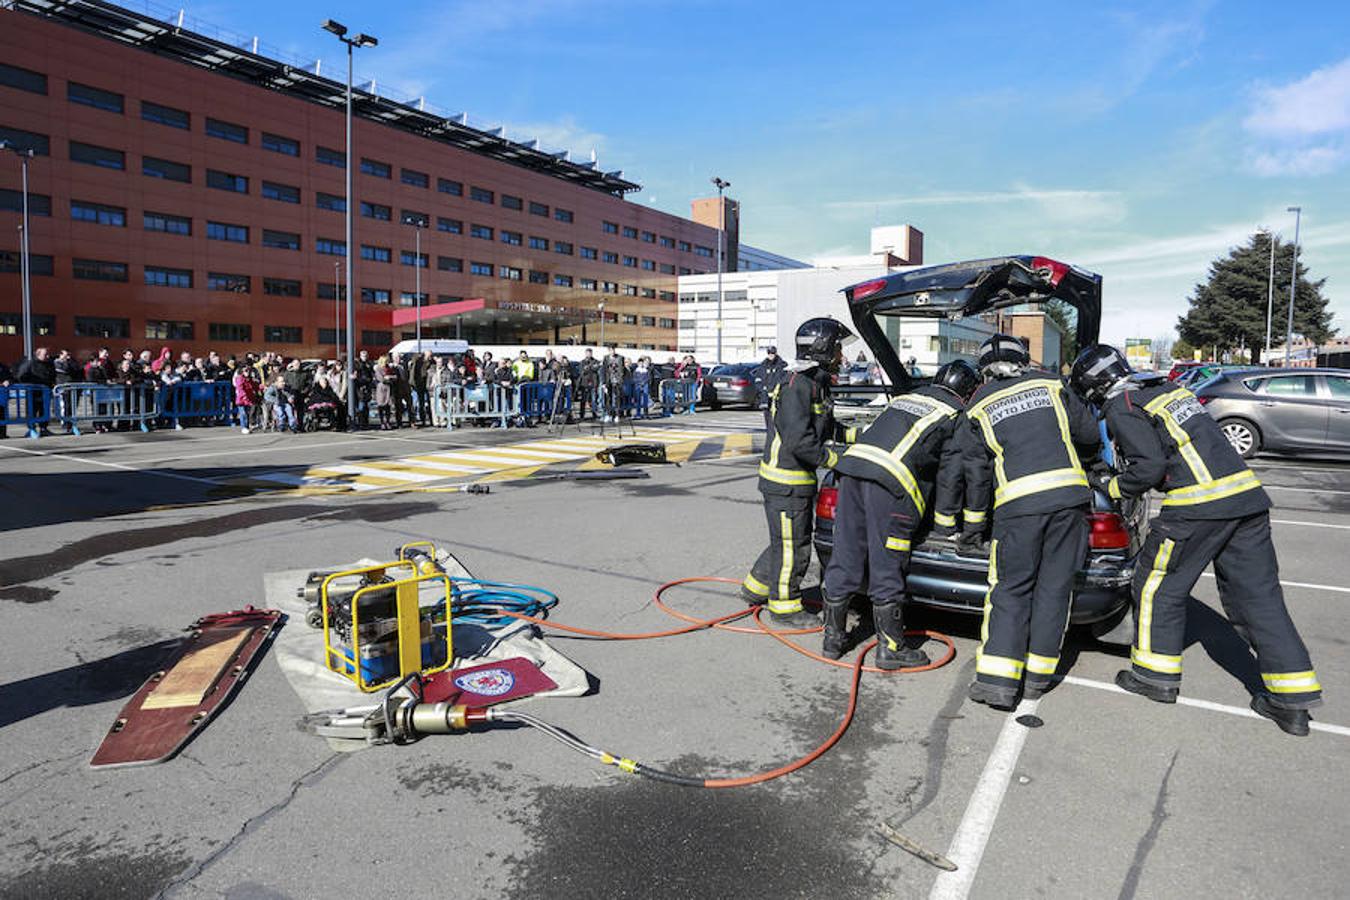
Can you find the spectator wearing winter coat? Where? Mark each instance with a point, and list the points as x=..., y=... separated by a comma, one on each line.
x=278, y=396
x=245, y=397
x=385, y=377
x=642, y=386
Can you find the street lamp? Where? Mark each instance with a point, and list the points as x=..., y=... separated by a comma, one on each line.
x=361, y=40
x=1270, y=297
x=337, y=308
x=25, y=268
x=601, y=307
x=1293, y=282
x=721, y=231
x=417, y=223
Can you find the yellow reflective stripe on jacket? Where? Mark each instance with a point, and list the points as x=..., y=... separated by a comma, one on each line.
x=1209, y=491
x=1157, y=570
x=1113, y=488
x=973, y=516
x=851, y=434
x=1157, y=662
x=786, y=476
x=818, y=408
x=1189, y=455
x=896, y=543
x=999, y=666
x=944, y=520
x=831, y=458
x=892, y=465
x=1040, y=481
x=1042, y=665
x=1291, y=682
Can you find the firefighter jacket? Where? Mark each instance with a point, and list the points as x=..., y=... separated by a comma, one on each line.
x=901, y=449
x=1020, y=443
x=1168, y=441
x=952, y=490
x=802, y=418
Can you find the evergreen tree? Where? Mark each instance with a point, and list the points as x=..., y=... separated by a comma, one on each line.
x=1229, y=309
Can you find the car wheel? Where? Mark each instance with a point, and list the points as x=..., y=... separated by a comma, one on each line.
x=1243, y=435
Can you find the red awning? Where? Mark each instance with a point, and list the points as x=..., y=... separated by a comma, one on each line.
x=408, y=315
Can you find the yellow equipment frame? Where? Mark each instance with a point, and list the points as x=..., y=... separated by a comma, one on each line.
x=409, y=617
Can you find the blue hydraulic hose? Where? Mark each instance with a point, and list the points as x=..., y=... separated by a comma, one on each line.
x=476, y=602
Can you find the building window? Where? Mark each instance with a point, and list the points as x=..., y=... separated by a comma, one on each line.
x=162, y=330
x=166, y=223
x=667, y=268
x=331, y=202
x=281, y=287
x=159, y=276
x=102, y=327
x=226, y=131
x=649, y=293
x=482, y=195
x=376, y=211
x=449, y=264
x=283, y=192
x=480, y=231
x=223, y=231
x=666, y=323
x=377, y=254
x=630, y=290
x=229, y=281
x=610, y=227
x=165, y=115
x=376, y=168
x=685, y=247
x=701, y=250
x=278, y=144
x=375, y=295
x=590, y=253
x=538, y=243
x=684, y=270
x=649, y=265
x=98, y=213
x=225, y=181
x=330, y=247
x=562, y=247
x=649, y=321
x=630, y=262
x=408, y=298
x=169, y=171
x=450, y=226
x=328, y=291
x=98, y=270
x=480, y=268
x=325, y=156
x=332, y=336
x=10, y=323
x=282, y=334
x=649, y=237
x=377, y=338
x=280, y=240
x=514, y=238
x=229, y=331
x=611, y=257
x=23, y=79
x=510, y=273
x=21, y=140
x=667, y=242
x=92, y=96
x=416, y=179
x=12, y=201
x=630, y=232
x=609, y=287
x=409, y=258
x=628, y=319
x=538, y=209
x=562, y=215
x=590, y=284
x=38, y=263
x=562, y=280
x=668, y=295
x=103, y=157
x=537, y=277
x=453, y=188
x=509, y=202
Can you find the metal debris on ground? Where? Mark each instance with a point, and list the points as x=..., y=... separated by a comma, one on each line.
x=909, y=846
x=627, y=454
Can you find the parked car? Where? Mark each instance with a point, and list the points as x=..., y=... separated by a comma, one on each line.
x=1281, y=410
x=1181, y=366
x=941, y=574
x=731, y=384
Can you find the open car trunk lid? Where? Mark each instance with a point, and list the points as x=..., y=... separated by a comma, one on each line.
x=962, y=289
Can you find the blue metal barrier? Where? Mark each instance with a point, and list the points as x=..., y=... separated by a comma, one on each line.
x=29, y=405
x=678, y=396
x=209, y=401
x=104, y=404
x=534, y=399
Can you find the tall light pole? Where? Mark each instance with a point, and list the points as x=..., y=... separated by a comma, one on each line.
x=1293, y=282
x=1270, y=299
x=361, y=40
x=417, y=223
x=721, y=232
x=601, y=306
x=25, y=269
x=337, y=309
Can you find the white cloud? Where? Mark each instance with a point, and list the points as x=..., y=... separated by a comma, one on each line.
x=1052, y=207
x=1298, y=161
x=1302, y=128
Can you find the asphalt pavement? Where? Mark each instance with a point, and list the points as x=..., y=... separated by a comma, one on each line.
x=114, y=543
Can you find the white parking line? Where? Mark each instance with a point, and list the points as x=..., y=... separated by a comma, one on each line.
x=972, y=835
x=112, y=465
x=1309, y=524
x=1302, y=584
x=1202, y=704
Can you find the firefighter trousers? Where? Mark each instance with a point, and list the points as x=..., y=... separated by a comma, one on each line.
x=1033, y=561
x=777, y=574
x=1177, y=551
x=872, y=529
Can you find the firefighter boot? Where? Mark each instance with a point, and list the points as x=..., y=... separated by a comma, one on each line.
x=1291, y=721
x=800, y=620
x=836, y=628
x=1127, y=680
x=891, y=650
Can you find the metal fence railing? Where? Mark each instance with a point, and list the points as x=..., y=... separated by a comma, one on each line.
x=29, y=405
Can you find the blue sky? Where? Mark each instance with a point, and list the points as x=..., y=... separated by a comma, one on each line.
x=1139, y=140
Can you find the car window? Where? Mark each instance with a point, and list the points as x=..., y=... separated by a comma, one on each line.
x=1340, y=387
x=1292, y=386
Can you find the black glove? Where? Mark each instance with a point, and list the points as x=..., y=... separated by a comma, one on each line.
x=1100, y=480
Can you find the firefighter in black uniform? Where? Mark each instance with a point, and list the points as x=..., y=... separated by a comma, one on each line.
x=770, y=372
x=1024, y=425
x=1213, y=510
x=802, y=422
x=885, y=482
x=953, y=517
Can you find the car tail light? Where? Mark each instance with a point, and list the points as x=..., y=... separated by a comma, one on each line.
x=826, y=500
x=1057, y=270
x=1108, y=532
x=740, y=382
x=867, y=289
x=1203, y=399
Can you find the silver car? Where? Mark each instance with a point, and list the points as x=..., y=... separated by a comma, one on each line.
x=1281, y=410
